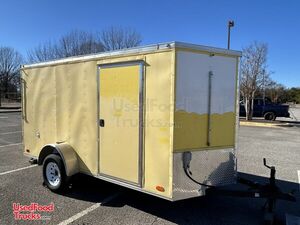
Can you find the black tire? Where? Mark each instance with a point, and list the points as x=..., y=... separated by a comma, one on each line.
x=57, y=180
x=270, y=116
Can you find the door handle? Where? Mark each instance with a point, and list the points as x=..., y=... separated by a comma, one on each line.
x=101, y=122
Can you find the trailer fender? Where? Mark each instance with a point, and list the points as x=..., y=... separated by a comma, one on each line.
x=66, y=152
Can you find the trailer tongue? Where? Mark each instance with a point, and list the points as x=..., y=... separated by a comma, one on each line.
x=269, y=191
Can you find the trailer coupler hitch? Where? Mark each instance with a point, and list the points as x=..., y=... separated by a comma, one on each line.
x=269, y=191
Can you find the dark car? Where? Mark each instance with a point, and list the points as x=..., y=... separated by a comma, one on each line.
x=266, y=109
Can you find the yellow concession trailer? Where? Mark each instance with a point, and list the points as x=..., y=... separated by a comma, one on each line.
x=155, y=118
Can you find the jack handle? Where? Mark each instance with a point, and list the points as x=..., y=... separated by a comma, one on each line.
x=273, y=171
x=265, y=164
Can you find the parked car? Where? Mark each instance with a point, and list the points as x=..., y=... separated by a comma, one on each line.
x=267, y=109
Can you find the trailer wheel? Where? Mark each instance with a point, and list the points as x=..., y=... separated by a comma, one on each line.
x=270, y=116
x=54, y=173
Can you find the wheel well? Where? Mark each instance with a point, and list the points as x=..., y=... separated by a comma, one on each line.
x=47, y=150
x=67, y=154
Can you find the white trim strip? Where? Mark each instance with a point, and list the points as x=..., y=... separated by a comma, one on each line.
x=88, y=210
x=16, y=170
x=2, y=146
x=13, y=132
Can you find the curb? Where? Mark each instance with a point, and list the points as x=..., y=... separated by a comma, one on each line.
x=255, y=124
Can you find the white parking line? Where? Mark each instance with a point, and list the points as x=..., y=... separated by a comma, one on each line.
x=88, y=210
x=3, y=146
x=3, y=117
x=13, y=132
x=12, y=171
x=12, y=126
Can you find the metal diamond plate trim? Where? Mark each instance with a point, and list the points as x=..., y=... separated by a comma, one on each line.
x=213, y=167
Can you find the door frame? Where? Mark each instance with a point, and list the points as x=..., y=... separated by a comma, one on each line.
x=141, y=64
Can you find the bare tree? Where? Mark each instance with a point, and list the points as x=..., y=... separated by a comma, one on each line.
x=10, y=62
x=43, y=52
x=73, y=43
x=78, y=43
x=81, y=43
x=114, y=38
x=254, y=73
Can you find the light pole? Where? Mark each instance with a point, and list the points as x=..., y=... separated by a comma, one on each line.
x=264, y=85
x=230, y=24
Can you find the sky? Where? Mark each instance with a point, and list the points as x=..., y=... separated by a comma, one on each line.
x=28, y=23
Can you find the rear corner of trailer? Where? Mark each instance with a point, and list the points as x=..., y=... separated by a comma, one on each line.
x=38, y=100
x=205, y=119
x=27, y=141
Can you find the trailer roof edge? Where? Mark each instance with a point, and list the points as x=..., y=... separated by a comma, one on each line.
x=139, y=49
x=207, y=48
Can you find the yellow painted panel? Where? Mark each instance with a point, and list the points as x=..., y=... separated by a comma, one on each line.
x=191, y=130
x=223, y=129
x=159, y=100
x=119, y=107
x=29, y=137
x=40, y=123
x=61, y=107
x=76, y=111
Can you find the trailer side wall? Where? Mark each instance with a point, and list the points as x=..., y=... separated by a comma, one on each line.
x=60, y=105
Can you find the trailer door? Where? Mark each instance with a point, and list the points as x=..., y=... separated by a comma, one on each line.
x=120, y=121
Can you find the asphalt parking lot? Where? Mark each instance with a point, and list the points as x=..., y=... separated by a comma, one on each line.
x=92, y=201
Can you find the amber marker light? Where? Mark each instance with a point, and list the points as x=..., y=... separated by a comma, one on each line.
x=160, y=188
